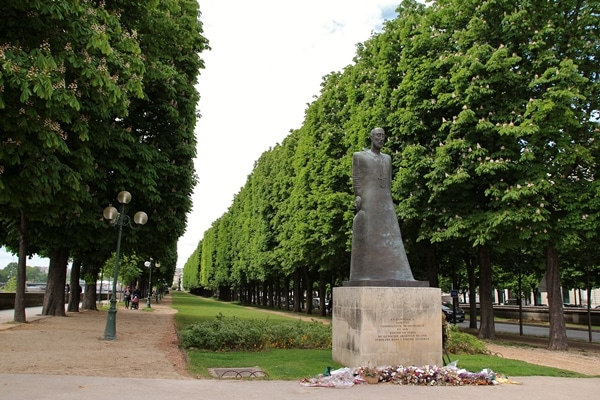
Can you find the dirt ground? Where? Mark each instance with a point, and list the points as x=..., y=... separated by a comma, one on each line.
x=146, y=346
x=581, y=357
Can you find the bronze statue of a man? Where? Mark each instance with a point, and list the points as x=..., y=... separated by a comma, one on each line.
x=377, y=249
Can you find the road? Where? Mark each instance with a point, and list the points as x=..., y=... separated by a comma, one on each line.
x=540, y=331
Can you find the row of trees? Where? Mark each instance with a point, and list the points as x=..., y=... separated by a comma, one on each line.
x=95, y=97
x=491, y=110
x=8, y=276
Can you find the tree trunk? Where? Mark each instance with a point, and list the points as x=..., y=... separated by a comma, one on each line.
x=286, y=287
x=557, y=337
x=486, y=309
x=278, y=292
x=265, y=293
x=297, y=294
x=271, y=293
x=309, y=292
x=54, y=299
x=322, y=292
x=89, y=297
x=244, y=293
x=472, y=292
x=19, y=315
x=432, y=269
x=225, y=293
x=74, y=293
x=89, y=271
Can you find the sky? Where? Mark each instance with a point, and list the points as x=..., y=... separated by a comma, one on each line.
x=266, y=64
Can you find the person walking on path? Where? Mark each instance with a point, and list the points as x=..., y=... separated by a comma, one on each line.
x=127, y=297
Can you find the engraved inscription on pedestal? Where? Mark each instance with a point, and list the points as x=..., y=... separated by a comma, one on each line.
x=402, y=329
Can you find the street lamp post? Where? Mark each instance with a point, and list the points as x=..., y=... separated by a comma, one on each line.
x=149, y=264
x=119, y=219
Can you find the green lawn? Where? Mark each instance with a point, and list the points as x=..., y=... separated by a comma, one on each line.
x=277, y=363
x=298, y=364
x=192, y=309
x=508, y=367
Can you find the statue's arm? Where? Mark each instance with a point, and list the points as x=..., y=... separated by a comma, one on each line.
x=356, y=180
x=389, y=170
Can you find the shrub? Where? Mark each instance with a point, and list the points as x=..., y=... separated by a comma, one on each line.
x=224, y=334
x=463, y=343
x=299, y=335
x=220, y=334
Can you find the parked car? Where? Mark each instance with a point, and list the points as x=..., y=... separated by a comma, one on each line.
x=448, y=311
x=317, y=303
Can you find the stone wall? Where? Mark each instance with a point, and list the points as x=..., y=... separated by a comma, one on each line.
x=35, y=299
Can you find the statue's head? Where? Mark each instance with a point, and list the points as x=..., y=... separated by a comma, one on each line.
x=378, y=131
x=377, y=137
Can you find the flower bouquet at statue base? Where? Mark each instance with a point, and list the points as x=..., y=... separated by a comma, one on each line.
x=369, y=374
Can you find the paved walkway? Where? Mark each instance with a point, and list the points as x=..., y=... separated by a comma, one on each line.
x=7, y=317
x=41, y=387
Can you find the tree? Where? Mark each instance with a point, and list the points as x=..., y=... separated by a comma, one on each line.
x=9, y=271
x=485, y=90
x=60, y=61
x=102, y=52
x=557, y=132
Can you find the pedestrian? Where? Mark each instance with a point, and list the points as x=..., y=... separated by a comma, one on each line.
x=135, y=300
x=127, y=297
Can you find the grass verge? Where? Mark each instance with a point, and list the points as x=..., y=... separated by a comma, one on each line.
x=508, y=367
x=292, y=364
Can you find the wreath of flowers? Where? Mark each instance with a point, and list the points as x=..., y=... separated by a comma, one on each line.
x=432, y=375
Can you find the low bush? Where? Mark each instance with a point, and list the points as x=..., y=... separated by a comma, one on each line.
x=299, y=335
x=235, y=334
x=463, y=343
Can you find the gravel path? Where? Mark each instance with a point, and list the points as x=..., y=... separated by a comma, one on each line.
x=146, y=345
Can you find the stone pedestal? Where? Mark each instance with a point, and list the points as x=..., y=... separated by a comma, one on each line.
x=382, y=326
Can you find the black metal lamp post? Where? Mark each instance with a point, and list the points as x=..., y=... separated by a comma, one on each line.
x=119, y=218
x=149, y=264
